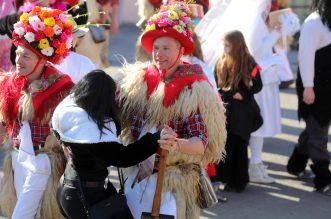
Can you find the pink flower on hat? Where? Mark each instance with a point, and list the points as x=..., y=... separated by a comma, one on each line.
x=57, y=29
x=63, y=18
x=38, y=26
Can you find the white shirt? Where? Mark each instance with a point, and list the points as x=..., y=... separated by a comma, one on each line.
x=76, y=66
x=314, y=35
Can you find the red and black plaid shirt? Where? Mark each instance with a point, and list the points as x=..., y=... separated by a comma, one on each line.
x=39, y=133
x=192, y=126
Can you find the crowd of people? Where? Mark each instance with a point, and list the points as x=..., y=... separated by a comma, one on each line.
x=203, y=91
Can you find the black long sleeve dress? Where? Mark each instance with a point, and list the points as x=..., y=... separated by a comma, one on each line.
x=243, y=118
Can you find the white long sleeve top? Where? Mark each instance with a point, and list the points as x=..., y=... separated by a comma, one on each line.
x=314, y=35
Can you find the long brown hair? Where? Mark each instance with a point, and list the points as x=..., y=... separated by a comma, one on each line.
x=237, y=65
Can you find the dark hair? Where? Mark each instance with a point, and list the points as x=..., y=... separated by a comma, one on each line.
x=95, y=93
x=239, y=62
x=323, y=8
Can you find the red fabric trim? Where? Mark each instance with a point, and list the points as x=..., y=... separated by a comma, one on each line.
x=49, y=98
x=156, y=3
x=255, y=70
x=211, y=169
x=44, y=101
x=11, y=88
x=184, y=76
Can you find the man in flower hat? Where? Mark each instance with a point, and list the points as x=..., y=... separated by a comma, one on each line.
x=179, y=95
x=28, y=97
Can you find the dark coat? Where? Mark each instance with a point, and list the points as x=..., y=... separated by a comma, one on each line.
x=243, y=116
x=321, y=108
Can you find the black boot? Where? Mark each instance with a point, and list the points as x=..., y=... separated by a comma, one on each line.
x=322, y=174
x=297, y=163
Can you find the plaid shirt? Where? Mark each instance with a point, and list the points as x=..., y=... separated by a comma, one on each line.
x=192, y=126
x=39, y=132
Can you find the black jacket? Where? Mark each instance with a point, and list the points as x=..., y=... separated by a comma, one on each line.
x=243, y=116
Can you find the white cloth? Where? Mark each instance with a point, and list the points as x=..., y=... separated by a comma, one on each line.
x=74, y=125
x=314, y=35
x=76, y=66
x=140, y=197
x=246, y=16
x=205, y=68
x=29, y=185
x=284, y=69
x=269, y=103
x=256, y=146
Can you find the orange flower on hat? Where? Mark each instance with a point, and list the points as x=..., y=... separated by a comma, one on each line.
x=36, y=10
x=44, y=14
x=49, y=32
x=61, y=49
x=60, y=24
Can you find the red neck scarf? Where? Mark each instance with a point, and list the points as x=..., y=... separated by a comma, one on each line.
x=184, y=76
x=46, y=98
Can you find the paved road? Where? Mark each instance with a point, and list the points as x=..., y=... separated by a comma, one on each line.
x=288, y=198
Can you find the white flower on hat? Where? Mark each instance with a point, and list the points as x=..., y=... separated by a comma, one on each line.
x=57, y=29
x=29, y=36
x=34, y=20
x=48, y=51
x=20, y=31
x=69, y=43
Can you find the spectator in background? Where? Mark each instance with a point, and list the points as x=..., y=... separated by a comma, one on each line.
x=238, y=79
x=97, y=52
x=314, y=88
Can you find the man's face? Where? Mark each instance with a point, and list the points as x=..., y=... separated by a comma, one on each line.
x=26, y=60
x=165, y=52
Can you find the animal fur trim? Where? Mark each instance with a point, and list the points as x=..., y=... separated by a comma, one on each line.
x=133, y=96
x=49, y=208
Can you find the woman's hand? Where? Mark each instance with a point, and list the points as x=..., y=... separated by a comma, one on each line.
x=237, y=96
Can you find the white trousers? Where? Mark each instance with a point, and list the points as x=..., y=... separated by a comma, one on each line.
x=29, y=186
x=140, y=197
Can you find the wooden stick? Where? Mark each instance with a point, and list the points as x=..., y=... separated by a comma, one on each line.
x=159, y=184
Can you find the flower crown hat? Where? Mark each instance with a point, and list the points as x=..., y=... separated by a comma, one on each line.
x=45, y=31
x=174, y=21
